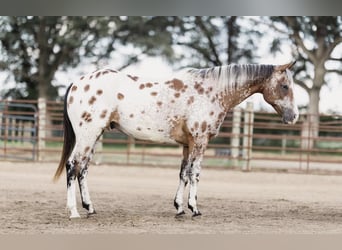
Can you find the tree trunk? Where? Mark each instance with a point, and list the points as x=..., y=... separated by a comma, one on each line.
x=310, y=128
x=43, y=60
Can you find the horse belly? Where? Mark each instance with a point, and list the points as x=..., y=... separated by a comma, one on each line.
x=149, y=127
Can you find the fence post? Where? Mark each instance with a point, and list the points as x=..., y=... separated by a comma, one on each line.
x=248, y=136
x=41, y=127
x=235, y=143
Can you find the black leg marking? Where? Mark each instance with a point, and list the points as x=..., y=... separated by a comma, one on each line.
x=71, y=173
x=175, y=204
x=180, y=215
x=85, y=205
x=190, y=207
x=196, y=214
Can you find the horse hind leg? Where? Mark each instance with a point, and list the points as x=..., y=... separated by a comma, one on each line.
x=83, y=185
x=71, y=188
x=77, y=166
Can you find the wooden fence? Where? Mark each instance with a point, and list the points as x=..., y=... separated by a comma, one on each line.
x=32, y=130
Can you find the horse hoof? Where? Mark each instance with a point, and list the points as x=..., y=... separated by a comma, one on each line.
x=74, y=216
x=91, y=213
x=196, y=214
x=180, y=214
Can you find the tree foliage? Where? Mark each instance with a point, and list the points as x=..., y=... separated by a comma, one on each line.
x=213, y=41
x=315, y=40
x=34, y=48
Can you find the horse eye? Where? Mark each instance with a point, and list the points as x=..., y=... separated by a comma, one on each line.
x=284, y=86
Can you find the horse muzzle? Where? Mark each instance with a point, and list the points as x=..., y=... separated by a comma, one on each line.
x=290, y=116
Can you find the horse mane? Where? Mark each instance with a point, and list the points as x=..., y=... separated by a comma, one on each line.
x=231, y=76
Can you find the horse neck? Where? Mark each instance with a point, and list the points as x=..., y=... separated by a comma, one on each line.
x=233, y=97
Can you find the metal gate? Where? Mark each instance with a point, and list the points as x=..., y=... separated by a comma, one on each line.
x=18, y=130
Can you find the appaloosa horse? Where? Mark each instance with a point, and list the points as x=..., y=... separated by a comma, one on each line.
x=187, y=109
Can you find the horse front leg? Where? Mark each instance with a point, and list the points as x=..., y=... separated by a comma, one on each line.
x=183, y=180
x=194, y=175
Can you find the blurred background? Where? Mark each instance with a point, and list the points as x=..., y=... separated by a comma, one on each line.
x=40, y=57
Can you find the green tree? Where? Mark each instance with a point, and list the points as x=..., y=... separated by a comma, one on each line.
x=34, y=48
x=314, y=40
x=207, y=41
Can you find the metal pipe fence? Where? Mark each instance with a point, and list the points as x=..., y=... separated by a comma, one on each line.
x=32, y=130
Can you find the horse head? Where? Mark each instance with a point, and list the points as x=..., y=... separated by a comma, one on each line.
x=278, y=92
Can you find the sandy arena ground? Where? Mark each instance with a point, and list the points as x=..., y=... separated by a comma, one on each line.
x=140, y=200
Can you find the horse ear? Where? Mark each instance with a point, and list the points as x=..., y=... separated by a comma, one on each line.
x=283, y=67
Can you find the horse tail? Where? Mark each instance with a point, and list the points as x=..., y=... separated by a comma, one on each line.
x=69, y=139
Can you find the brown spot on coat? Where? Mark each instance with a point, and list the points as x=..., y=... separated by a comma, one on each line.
x=99, y=92
x=105, y=72
x=138, y=128
x=159, y=103
x=92, y=100
x=82, y=77
x=221, y=116
x=103, y=114
x=154, y=93
x=86, y=116
x=148, y=85
x=86, y=88
x=120, y=96
x=176, y=84
x=71, y=99
x=134, y=78
x=81, y=123
x=196, y=125
x=191, y=100
x=131, y=115
x=142, y=86
x=177, y=95
x=204, y=126
x=86, y=149
x=199, y=88
x=74, y=88
x=211, y=113
x=98, y=74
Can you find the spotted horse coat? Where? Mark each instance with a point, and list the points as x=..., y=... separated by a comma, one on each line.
x=187, y=109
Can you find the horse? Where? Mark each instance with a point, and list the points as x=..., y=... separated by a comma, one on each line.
x=187, y=108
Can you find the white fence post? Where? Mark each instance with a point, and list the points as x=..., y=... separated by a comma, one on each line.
x=235, y=142
x=41, y=127
x=248, y=136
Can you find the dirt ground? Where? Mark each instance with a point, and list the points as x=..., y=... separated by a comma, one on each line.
x=140, y=200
